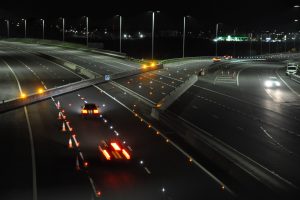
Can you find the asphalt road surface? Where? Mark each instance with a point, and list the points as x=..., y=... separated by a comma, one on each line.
x=230, y=101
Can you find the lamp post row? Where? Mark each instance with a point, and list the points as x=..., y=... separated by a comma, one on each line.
x=120, y=34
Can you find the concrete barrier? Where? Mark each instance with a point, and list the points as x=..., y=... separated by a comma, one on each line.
x=237, y=165
x=36, y=97
x=164, y=103
x=76, y=68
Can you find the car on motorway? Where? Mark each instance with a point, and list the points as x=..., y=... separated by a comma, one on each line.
x=272, y=82
x=90, y=109
x=216, y=59
x=291, y=68
x=113, y=150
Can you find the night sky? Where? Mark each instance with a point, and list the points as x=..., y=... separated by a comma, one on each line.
x=246, y=15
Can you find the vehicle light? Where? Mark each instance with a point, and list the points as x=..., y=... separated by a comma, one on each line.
x=106, y=154
x=268, y=84
x=96, y=111
x=86, y=164
x=277, y=84
x=115, y=146
x=126, y=154
x=152, y=64
x=84, y=111
x=98, y=194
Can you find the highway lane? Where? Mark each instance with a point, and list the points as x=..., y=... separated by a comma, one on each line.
x=17, y=149
x=217, y=188
x=133, y=182
x=173, y=81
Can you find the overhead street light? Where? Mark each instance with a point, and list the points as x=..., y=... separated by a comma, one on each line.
x=183, y=36
x=217, y=29
x=25, y=31
x=250, y=38
x=153, y=18
x=87, y=31
x=7, y=25
x=120, y=33
x=63, y=28
x=43, y=24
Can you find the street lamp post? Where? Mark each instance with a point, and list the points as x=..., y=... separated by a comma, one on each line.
x=269, y=43
x=217, y=28
x=43, y=24
x=261, y=43
x=153, y=18
x=183, y=37
x=87, y=31
x=63, y=29
x=25, y=31
x=120, y=34
x=250, y=38
x=234, y=42
x=7, y=25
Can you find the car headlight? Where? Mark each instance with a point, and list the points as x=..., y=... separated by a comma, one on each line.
x=268, y=84
x=277, y=83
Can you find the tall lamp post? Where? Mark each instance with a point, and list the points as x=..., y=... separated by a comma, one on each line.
x=63, y=29
x=234, y=42
x=250, y=38
x=120, y=33
x=25, y=28
x=153, y=18
x=87, y=31
x=183, y=35
x=217, y=29
x=43, y=25
x=7, y=25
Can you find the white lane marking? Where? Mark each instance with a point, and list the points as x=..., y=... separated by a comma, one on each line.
x=296, y=93
x=229, y=147
x=147, y=170
x=93, y=185
x=129, y=148
x=81, y=156
x=34, y=183
x=173, y=144
x=275, y=141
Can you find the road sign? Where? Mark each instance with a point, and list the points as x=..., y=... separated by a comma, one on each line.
x=107, y=77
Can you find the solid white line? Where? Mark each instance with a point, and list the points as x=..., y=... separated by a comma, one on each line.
x=34, y=183
x=296, y=93
x=147, y=170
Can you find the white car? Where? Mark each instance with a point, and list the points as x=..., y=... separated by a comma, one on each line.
x=272, y=82
x=291, y=69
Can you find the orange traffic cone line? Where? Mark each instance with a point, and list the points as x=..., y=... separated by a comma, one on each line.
x=63, y=127
x=70, y=144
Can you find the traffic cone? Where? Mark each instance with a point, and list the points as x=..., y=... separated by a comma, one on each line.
x=77, y=163
x=70, y=144
x=63, y=127
x=58, y=105
x=69, y=127
x=59, y=115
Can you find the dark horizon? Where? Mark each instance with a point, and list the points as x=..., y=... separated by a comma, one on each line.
x=257, y=15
